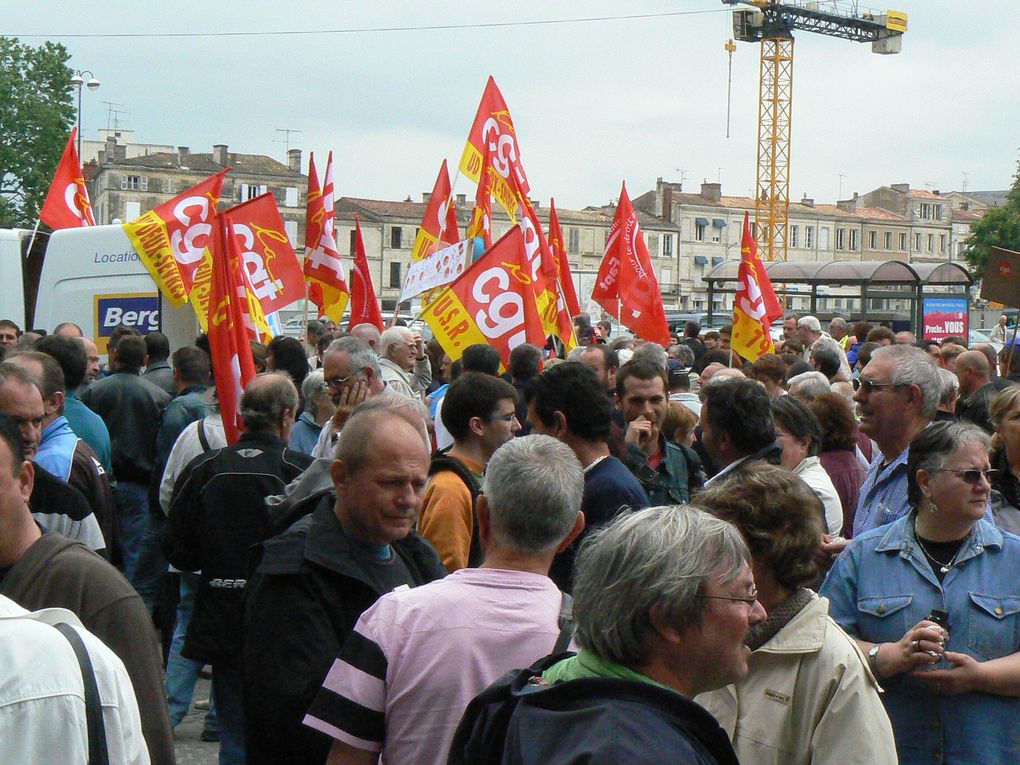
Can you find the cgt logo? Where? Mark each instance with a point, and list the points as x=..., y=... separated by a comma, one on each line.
x=138, y=310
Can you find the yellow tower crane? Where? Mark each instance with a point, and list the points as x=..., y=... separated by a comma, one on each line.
x=772, y=23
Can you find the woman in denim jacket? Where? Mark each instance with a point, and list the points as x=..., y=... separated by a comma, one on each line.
x=953, y=690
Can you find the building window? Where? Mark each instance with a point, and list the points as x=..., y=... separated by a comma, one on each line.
x=573, y=240
x=290, y=197
x=395, y=282
x=840, y=238
x=917, y=242
x=931, y=242
x=653, y=244
x=354, y=235
x=667, y=246
x=937, y=211
x=795, y=236
x=853, y=239
x=395, y=233
x=888, y=240
x=823, y=238
x=942, y=243
x=809, y=237
x=699, y=231
x=903, y=242
x=872, y=240
x=249, y=191
x=134, y=183
x=291, y=227
x=169, y=186
x=132, y=210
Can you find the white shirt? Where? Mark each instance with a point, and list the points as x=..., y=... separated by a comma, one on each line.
x=812, y=473
x=443, y=437
x=42, y=694
x=186, y=448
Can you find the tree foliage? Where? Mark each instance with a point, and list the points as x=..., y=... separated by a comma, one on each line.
x=36, y=115
x=999, y=227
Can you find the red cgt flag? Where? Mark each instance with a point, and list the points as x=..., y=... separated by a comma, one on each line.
x=481, y=216
x=314, y=220
x=229, y=345
x=323, y=265
x=492, y=302
x=562, y=265
x=626, y=285
x=67, y=202
x=755, y=305
x=364, y=305
x=439, y=223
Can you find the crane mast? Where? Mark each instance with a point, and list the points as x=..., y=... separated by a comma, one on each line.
x=771, y=23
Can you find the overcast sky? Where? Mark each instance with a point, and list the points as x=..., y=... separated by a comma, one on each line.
x=594, y=102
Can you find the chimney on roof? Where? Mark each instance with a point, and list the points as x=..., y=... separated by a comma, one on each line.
x=426, y=196
x=182, y=155
x=903, y=188
x=120, y=151
x=110, y=153
x=219, y=154
x=937, y=193
x=535, y=203
x=461, y=199
x=666, y=211
x=711, y=191
x=807, y=201
x=294, y=160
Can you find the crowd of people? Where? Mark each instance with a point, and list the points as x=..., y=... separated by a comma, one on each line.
x=620, y=553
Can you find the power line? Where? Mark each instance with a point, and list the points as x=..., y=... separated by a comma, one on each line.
x=373, y=30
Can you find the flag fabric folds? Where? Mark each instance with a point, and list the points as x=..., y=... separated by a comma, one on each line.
x=229, y=336
x=364, y=305
x=755, y=305
x=492, y=303
x=172, y=241
x=439, y=224
x=626, y=286
x=314, y=215
x=559, y=250
x=323, y=264
x=481, y=216
x=67, y=202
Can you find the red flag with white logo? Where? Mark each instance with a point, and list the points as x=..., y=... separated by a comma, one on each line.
x=67, y=202
x=323, y=264
x=559, y=249
x=314, y=220
x=626, y=285
x=364, y=305
x=439, y=223
x=229, y=345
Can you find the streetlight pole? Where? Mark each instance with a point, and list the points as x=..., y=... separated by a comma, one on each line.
x=92, y=84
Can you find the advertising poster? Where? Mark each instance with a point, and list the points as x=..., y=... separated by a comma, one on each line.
x=945, y=316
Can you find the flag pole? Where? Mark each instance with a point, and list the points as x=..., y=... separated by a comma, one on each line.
x=32, y=240
x=1012, y=345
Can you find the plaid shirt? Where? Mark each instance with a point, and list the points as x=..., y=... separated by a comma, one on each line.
x=883, y=494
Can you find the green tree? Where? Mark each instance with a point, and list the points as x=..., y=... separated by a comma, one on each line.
x=999, y=227
x=36, y=115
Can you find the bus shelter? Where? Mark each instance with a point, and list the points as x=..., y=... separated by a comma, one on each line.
x=875, y=290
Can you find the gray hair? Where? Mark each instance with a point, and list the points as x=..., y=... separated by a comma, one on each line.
x=533, y=486
x=575, y=354
x=931, y=447
x=810, y=322
x=652, y=352
x=912, y=366
x=950, y=385
x=265, y=399
x=311, y=387
x=810, y=384
x=657, y=556
x=393, y=336
x=354, y=445
x=683, y=354
x=825, y=343
x=358, y=352
x=838, y=321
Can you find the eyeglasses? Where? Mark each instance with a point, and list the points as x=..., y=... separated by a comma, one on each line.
x=870, y=385
x=504, y=417
x=973, y=475
x=338, y=382
x=749, y=599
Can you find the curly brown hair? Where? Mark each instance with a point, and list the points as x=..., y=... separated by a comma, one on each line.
x=778, y=515
x=678, y=422
x=839, y=428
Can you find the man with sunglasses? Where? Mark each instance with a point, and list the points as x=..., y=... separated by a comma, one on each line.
x=479, y=411
x=897, y=399
x=351, y=374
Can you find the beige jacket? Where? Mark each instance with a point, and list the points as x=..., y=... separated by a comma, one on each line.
x=809, y=698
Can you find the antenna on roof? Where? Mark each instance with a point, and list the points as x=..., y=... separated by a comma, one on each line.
x=286, y=136
x=963, y=183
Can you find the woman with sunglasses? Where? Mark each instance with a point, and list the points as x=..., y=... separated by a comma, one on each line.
x=808, y=696
x=933, y=600
x=1004, y=412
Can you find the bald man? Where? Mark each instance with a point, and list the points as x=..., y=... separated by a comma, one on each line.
x=977, y=388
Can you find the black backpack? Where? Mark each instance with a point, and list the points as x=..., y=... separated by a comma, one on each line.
x=481, y=733
x=441, y=461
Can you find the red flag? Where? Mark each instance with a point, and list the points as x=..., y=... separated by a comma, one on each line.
x=493, y=131
x=562, y=264
x=172, y=240
x=314, y=220
x=626, y=285
x=364, y=305
x=67, y=202
x=439, y=223
x=492, y=302
x=481, y=216
x=323, y=264
x=229, y=345
x=749, y=252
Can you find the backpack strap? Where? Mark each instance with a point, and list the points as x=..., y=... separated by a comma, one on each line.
x=202, y=438
x=442, y=461
x=566, y=623
x=98, y=753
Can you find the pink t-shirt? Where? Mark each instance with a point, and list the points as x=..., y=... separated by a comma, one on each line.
x=419, y=656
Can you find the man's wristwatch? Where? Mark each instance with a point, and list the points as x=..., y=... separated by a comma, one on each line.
x=873, y=658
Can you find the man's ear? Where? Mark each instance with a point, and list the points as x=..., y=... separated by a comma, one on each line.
x=662, y=626
x=579, y=525
x=340, y=474
x=477, y=426
x=559, y=423
x=26, y=481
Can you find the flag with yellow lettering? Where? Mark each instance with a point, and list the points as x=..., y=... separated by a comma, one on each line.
x=755, y=305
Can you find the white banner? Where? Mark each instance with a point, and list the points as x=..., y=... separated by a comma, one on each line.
x=437, y=270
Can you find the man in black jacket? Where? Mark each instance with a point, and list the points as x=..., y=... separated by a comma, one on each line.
x=217, y=513
x=314, y=580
